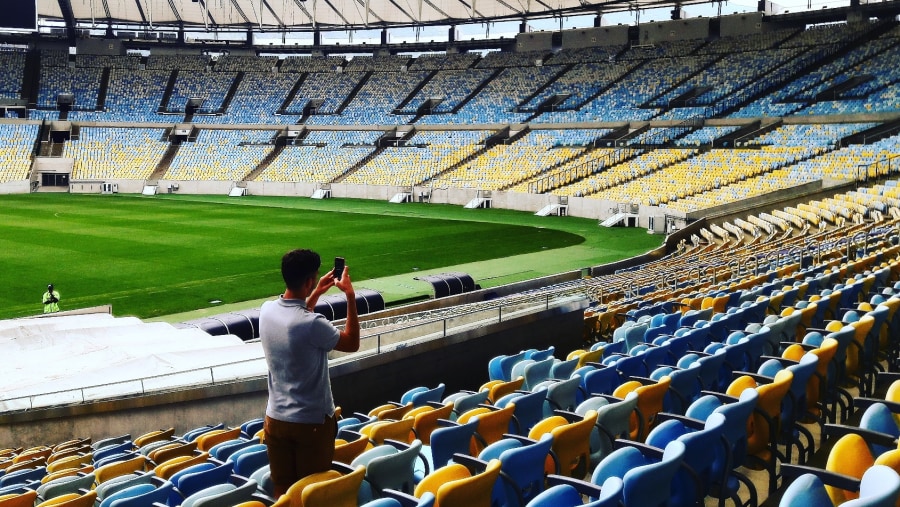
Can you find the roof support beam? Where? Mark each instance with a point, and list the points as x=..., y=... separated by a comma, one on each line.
x=65, y=6
x=239, y=11
x=175, y=12
x=140, y=9
x=278, y=21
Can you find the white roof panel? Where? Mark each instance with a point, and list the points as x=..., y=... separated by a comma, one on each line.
x=304, y=14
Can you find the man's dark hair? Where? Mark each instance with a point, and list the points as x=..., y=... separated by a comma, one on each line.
x=297, y=266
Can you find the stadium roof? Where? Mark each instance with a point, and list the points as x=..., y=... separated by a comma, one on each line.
x=310, y=14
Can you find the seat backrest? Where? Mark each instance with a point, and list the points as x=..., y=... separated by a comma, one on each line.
x=64, y=485
x=24, y=499
x=601, y=381
x=71, y=500
x=529, y=409
x=806, y=490
x=492, y=425
x=703, y=454
x=427, y=396
x=880, y=487
x=425, y=422
x=449, y=440
x=650, y=403
x=473, y=491
x=225, y=449
x=495, y=371
x=206, y=441
x=591, y=356
x=111, y=450
x=560, y=495
x=338, y=492
x=394, y=430
x=711, y=370
x=466, y=401
x=613, y=421
x=251, y=460
x=524, y=465
x=537, y=372
x=135, y=491
x=193, y=434
x=174, y=465
x=497, y=390
x=507, y=363
x=518, y=370
x=235, y=496
x=561, y=395
x=562, y=370
x=116, y=469
x=646, y=485
x=293, y=496
x=393, y=470
x=684, y=388
x=571, y=444
x=23, y=476
x=349, y=445
x=104, y=442
x=736, y=416
x=193, y=482
x=849, y=456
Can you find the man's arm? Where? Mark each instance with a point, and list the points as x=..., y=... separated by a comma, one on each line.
x=349, y=340
x=325, y=283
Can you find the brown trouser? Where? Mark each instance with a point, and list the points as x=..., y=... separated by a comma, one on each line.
x=296, y=450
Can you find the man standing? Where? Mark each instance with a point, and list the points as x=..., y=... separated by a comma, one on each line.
x=300, y=426
x=51, y=300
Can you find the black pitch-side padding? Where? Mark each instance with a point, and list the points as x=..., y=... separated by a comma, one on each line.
x=245, y=323
x=449, y=284
x=211, y=325
x=238, y=325
x=334, y=307
x=252, y=316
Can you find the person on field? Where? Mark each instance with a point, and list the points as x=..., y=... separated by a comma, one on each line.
x=51, y=300
x=300, y=425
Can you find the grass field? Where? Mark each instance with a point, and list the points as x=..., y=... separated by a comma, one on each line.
x=164, y=255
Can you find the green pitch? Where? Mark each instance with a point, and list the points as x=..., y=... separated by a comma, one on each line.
x=165, y=255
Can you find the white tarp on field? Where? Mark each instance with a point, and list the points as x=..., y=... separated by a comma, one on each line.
x=72, y=359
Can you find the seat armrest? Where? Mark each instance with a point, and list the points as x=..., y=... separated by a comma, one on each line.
x=760, y=379
x=690, y=422
x=475, y=465
x=405, y=499
x=830, y=478
x=871, y=437
x=647, y=450
x=586, y=488
x=864, y=403
x=721, y=396
x=569, y=416
x=341, y=467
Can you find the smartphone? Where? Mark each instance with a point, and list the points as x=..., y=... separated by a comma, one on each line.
x=338, y=267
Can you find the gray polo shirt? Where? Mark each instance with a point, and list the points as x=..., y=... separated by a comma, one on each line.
x=296, y=343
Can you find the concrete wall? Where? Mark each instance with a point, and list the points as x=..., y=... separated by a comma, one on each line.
x=741, y=24
x=111, y=47
x=15, y=187
x=279, y=188
x=578, y=206
x=534, y=41
x=590, y=37
x=195, y=187
x=667, y=31
x=53, y=165
x=85, y=187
